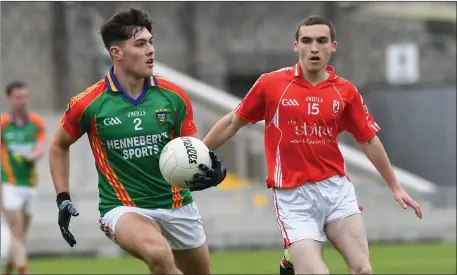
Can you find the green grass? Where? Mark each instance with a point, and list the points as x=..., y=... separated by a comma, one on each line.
x=401, y=258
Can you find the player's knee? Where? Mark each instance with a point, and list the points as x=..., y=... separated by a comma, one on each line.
x=16, y=231
x=362, y=267
x=159, y=257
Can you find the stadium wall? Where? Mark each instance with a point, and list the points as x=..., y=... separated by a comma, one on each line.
x=207, y=40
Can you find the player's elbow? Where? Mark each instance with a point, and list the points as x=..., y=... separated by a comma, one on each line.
x=62, y=140
x=57, y=150
x=236, y=123
x=372, y=141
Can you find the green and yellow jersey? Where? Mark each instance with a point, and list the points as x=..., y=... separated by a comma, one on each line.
x=17, y=142
x=127, y=135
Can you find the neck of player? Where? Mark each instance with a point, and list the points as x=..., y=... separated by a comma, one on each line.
x=315, y=77
x=130, y=84
x=19, y=114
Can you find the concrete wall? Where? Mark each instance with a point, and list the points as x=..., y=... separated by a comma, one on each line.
x=26, y=49
x=209, y=40
x=420, y=131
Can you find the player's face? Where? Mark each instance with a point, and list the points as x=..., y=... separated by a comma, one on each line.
x=136, y=55
x=18, y=99
x=314, y=47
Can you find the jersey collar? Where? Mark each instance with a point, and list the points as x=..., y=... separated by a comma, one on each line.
x=14, y=118
x=298, y=72
x=113, y=84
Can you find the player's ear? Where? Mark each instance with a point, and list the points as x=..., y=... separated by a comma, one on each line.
x=334, y=44
x=295, y=46
x=116, y=52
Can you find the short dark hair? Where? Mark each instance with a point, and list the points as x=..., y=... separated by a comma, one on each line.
x=124, y=25
x=316, y=20
x=13, y=86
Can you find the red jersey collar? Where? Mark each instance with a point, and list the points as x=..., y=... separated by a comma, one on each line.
x=333, y=75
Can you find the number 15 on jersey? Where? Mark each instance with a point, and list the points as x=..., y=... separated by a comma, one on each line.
x=313, y=108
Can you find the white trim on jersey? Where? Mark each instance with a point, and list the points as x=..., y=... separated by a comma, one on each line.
x=375, y=127
x=338, y=91
x=275, y=122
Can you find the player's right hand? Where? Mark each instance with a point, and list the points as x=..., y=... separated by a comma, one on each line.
x=66, y=211
x=214, y=175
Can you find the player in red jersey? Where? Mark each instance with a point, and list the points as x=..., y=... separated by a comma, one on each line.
x=304, y=108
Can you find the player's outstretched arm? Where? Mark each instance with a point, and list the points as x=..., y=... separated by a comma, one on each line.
x=374, y=150
x=223, y=130
x=59, y=163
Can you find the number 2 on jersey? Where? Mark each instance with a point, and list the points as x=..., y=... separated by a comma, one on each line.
x=137, y=122
x=313, y=108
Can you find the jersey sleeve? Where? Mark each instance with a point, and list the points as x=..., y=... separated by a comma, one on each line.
x=41, y=125
x=357, y=119
x=252, y=107
x=185, y=123
x=74, y=120
x=4, y=120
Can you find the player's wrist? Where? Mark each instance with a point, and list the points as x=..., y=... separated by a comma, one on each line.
x=61, y=197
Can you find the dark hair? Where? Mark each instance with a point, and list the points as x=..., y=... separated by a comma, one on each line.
x=124, y=25
x=13, y=86
x=316, y=20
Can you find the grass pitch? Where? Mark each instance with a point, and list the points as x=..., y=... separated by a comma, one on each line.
x=386, y=259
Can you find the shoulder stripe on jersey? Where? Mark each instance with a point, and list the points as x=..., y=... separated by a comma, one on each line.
x=5, y=119
x=79, y=103
x=169, y=86
x=90, y=93
x=85, y=99
x=36, y=119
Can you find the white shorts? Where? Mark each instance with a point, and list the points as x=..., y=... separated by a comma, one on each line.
x=302, y=212
x=182, y=227
x=18, y=197
x=5, y=240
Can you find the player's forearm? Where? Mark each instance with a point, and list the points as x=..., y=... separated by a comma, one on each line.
x=375, y=152
x=224, y=129
x=38, y=152
x=59, y=164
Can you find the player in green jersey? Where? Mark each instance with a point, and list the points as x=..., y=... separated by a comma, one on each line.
x=23, y=140
x=129, y=116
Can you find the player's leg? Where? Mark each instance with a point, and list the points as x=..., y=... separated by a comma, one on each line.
x=286, y=266
x=141, y=237
x=13, y=200
x=348, y=236
x=300, y=217
x=193, y=261
x=346, y=231
x=5, y=241
x=184, y=230
x=26, y=214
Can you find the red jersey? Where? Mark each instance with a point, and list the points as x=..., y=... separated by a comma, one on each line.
x=302, y=123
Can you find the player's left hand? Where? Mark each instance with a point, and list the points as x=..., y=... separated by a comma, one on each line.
x=405, y=200
x=214, y=174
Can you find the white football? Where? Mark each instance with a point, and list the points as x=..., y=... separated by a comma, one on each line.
x=180, y=158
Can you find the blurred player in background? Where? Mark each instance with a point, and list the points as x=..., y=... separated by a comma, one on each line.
x=305, y=107
x=23, y=141
x=129, y=116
